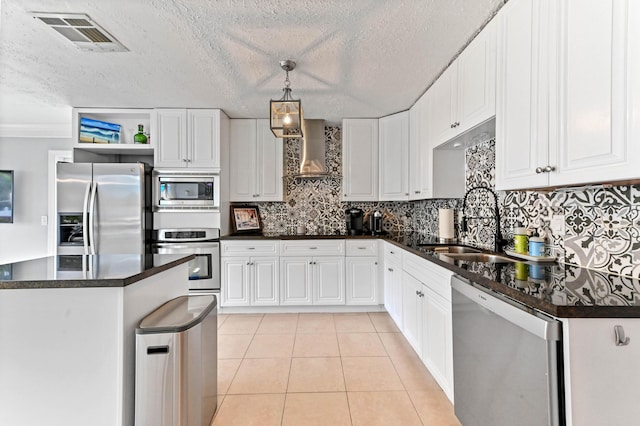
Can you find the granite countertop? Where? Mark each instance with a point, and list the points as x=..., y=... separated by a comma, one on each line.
x=78, y=271
x=560, y=290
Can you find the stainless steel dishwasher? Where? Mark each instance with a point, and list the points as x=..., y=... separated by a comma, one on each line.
x=507, y=360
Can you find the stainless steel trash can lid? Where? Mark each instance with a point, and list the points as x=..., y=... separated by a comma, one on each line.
x=178, y=314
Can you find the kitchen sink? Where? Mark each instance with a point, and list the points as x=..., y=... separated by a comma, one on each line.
x=449, y=249
x=480, y=257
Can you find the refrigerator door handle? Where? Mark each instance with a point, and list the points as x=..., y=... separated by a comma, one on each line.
x=92, y=205
x=85, y=224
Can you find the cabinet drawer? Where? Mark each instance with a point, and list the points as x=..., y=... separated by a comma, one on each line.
x=393, y=252
x=312, y=248
x=437, y=278
x=250, y=248
x=362, y=247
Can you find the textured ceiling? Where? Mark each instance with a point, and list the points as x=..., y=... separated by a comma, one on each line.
x=358, y=58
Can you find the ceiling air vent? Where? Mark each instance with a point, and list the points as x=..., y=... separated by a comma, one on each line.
x=81, y=30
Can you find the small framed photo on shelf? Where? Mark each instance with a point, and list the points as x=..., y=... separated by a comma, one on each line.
x=246, y=219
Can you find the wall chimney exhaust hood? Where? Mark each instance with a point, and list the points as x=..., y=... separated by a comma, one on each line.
x=312, y=151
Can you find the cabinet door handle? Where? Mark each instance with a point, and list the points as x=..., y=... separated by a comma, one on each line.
x=417, y=293
x=310, y=263
x=251, y=248
x=248, y=263
x=416, y=192
x=456, y=124
x=184, y=160
x=390, y=269
x=451, y=125
x=375, y=263
x=546, y=169
x=313, y=248
x=362, y=248
x=621, y=339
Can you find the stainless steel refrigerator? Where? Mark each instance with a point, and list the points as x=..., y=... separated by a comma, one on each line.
x=103, y=208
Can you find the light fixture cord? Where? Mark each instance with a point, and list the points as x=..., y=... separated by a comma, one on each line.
x=287, y=88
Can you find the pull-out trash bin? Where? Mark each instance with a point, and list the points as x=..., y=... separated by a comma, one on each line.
x=176, y=363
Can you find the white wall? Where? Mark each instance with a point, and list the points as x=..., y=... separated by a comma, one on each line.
x=26, y=238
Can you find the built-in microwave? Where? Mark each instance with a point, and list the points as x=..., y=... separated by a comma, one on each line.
x=186, y=190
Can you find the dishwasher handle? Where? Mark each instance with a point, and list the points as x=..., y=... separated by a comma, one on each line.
x=535, y=323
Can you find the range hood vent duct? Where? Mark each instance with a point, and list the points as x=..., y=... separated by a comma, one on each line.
x=312, y=151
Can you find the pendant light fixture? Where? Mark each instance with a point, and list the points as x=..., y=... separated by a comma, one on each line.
x=286, y=113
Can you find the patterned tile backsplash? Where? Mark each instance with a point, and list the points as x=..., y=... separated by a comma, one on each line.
x=599, y=228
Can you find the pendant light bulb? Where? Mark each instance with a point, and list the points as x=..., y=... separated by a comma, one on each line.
x=287, y=120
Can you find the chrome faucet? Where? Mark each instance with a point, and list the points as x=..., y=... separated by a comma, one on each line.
x=499, y=241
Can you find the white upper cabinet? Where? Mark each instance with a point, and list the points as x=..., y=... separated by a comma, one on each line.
x=441, y=98
x=420, y=153
x=521, y=95
x=394, y=157
x=171, y=138
x=464, y=95
x=586, y=56
x=187, y=138
x=255, y=161
x=595, y=91
x=203, y=138
x=360, y=159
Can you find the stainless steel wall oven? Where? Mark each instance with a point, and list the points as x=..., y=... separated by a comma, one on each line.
x=204, y=270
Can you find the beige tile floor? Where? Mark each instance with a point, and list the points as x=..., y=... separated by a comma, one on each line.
x=323, y=369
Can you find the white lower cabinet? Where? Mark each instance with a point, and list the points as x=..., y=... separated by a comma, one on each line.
x=250, y=273
x=249, y=281
x=363, y=287
x=423, y=313
x=265, y=283
x=312, y=280
x=362, y=280
x=295, y=281
x=312, y=272
x=601, y=378
x=328, y=281
x=412, y=311
x=393, y=282
x=437, y=340
x=234, y=288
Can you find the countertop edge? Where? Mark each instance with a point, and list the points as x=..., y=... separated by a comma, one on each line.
x=93, y=283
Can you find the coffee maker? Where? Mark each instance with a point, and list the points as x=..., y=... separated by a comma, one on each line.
x=354, y=221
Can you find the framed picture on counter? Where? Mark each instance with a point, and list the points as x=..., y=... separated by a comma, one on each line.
x=6, y=196
x=246, y=219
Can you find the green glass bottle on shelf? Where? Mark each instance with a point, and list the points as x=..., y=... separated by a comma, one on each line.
x=140, y=137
